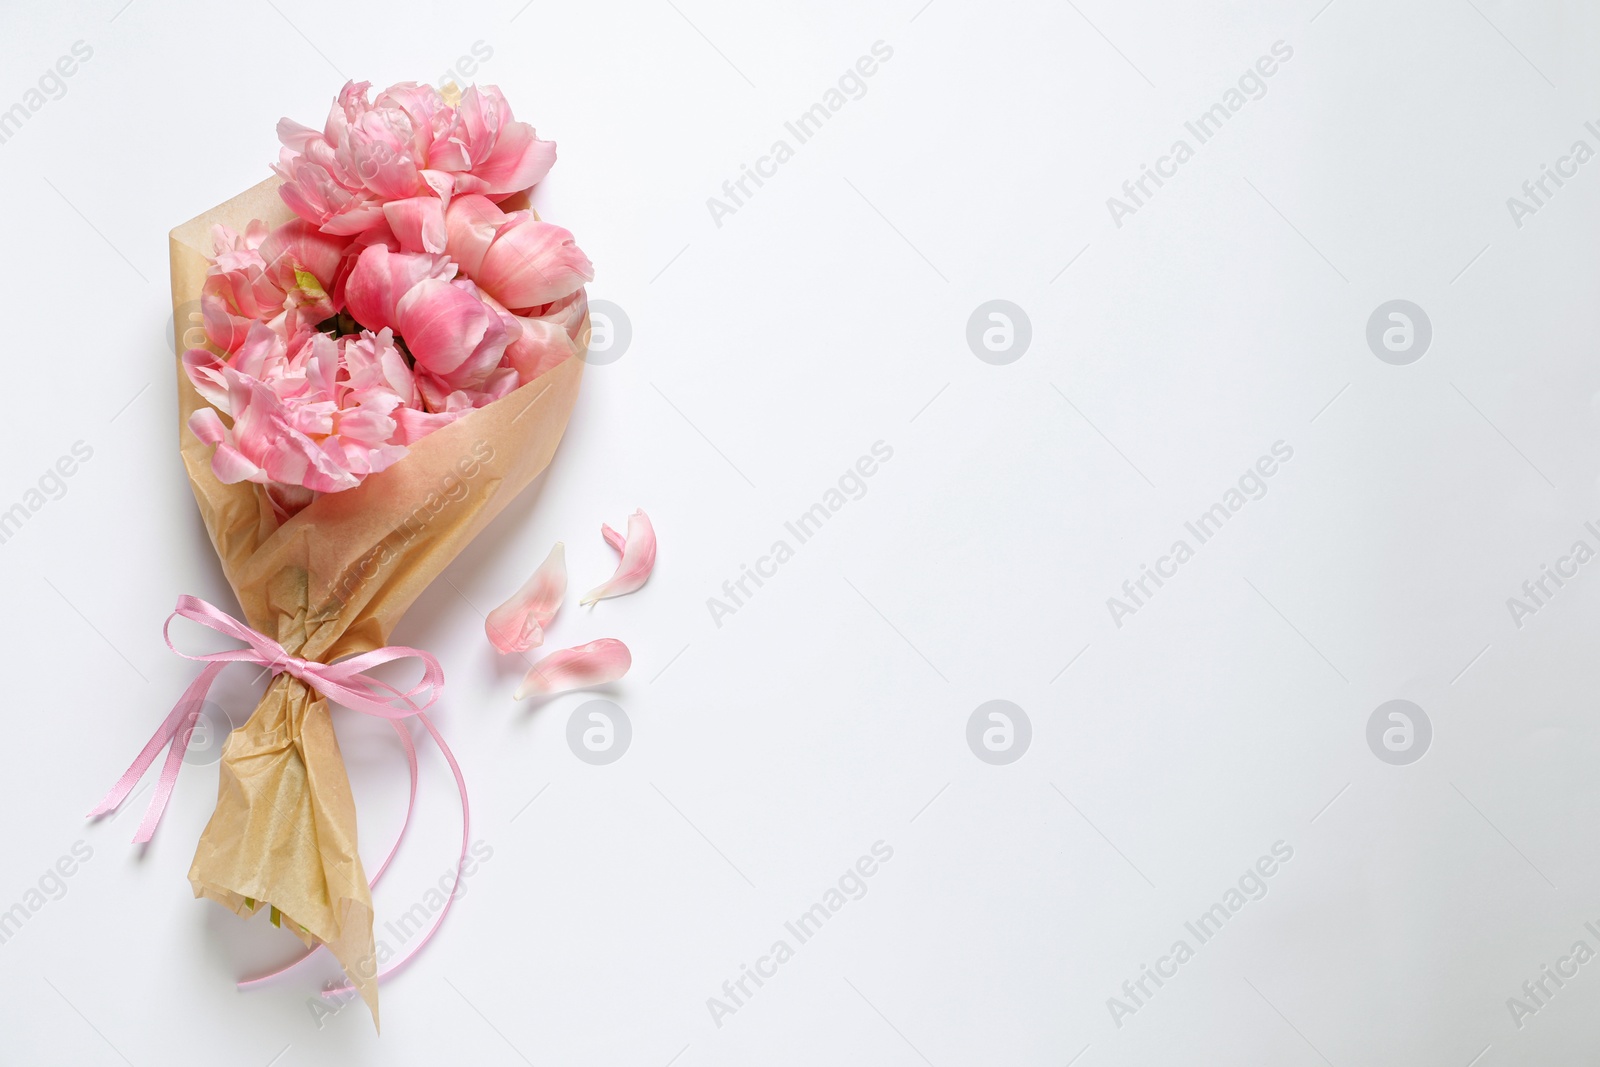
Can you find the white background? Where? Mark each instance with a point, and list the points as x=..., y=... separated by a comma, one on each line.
x=830, y=711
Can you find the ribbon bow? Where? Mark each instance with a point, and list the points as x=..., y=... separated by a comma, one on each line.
x=345, y=682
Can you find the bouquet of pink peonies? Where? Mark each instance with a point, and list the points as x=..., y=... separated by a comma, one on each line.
x=402, y=296
x=391, y=343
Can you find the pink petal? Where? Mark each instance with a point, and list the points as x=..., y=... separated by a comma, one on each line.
x=417, y=222
x=638, y=559
x=295, y=136
x=531, y=263
x=317, y=196
x=456, y=339
x=507, y=155
x=539, y=346
x=570, y=313
x=299, y=246
x=441, y=182
x=381, y=277
x=223, y=328
x=207, y=425
x=518, y=624
x=230, y=466
x=380, y=144
x=205, y=372
x=519, y=160
x=596, y=663
x=414, y=424
x=470, y=225
x=614, y=539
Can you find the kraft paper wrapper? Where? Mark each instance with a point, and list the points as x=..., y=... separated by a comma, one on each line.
x=331, y=581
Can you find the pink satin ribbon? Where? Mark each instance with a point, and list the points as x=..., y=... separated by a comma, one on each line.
x=344, y=683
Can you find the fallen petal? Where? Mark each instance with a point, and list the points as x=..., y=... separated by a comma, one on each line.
x=614, y=539
x=596, y=663
x=638, y=558
x=518, y=624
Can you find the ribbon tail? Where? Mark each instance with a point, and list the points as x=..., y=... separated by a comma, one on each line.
x=411, y=803
x=466, y=833
x=188, y=712
x=175, y=729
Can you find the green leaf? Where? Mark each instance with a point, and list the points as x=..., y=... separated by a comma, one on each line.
x=277, y=917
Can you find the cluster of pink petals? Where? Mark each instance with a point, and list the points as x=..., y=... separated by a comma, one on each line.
x=266, y=276
x=401, y=298
x=399, y=159
x=518, y=260
x=519, y=624
x=316, y=418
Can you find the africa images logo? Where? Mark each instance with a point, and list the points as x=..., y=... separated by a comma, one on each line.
x=850, y=886
x=736, y=192
x=1251, y=85
x=1251, y=485
x=1252, y=885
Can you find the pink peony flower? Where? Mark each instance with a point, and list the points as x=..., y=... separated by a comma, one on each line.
x=300, y=419
x=406, y=146
x=456, y=338
x=515, y=258
x=263, y=274
x=380, y=277
x=502, y=156
x=457, y=341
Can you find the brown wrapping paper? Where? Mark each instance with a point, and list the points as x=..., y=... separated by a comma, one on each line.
x=331, y=581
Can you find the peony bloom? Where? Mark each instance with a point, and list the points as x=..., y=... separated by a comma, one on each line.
x=372, y=362
x=501, y=156
x=381, y=276
x=515, y=258
x=457, y=341
x=263, y=444
x=338, y=179
x=261, y=275
x=299, y=422
x=378, y=164
x=398, y=300
x=456, y=338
